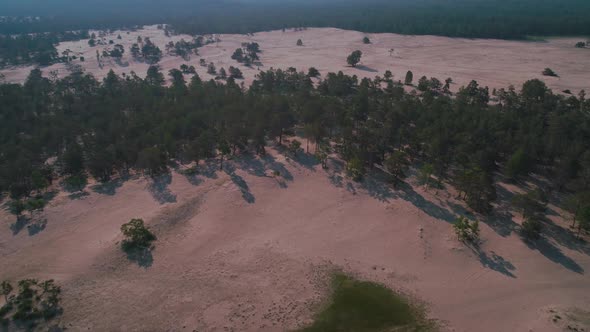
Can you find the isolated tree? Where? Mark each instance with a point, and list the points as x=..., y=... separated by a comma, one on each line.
x=222, y=73
x=366, y=40
x=235, y=73
x=580, y=44
x=549, y=72
x=137, y=235
x=238, y=55
x=299, y=42
x=354, y=58
x=409, y=78
x=211, y=70
x=313, y=72
x=466, y=230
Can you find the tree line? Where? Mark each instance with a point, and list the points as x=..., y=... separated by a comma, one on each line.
x=471, y=139
x=35, y=48
x=515, y=19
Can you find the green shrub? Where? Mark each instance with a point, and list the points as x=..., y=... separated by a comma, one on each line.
x=136, y=235
x=466, y=230
x=549, y=72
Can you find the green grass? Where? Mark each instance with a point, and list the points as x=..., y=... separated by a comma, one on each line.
x=363, y=306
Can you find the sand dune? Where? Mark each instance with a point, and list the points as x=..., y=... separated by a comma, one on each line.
x=494, y=63
x=241, y=250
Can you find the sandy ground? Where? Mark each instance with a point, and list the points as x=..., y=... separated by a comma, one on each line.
x=493, y=63
x=241, y=250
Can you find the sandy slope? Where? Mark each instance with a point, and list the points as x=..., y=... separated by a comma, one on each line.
x=495, y=63
x=241, y=250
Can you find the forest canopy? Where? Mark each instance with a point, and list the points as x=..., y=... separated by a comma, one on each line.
x=120, y=125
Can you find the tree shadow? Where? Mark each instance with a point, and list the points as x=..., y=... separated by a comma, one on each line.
x=33, y=225
x=209, y=169
x=276, y=166
x=501, y=222
x=20, y=223
x=250, y=164
x=109, y=187
x=365, y=68
x=408, y=194
x=240, y=183
x=141, y=256
x=37, y=226
x=554, y=254
x=377, y=187
x=159, y=189
x=306, y=160
x=564, y=237
x=495, y=262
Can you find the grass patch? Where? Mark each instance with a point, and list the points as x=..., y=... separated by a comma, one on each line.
x=366, y=306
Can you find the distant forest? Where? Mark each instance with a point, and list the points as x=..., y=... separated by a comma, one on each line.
x=514, y=19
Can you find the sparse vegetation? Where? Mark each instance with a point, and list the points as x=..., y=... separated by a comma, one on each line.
x=366, y=40
x=299, y=42
x=34, y=302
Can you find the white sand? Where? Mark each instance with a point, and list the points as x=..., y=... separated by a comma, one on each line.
x=493, y=63
x=242, y=252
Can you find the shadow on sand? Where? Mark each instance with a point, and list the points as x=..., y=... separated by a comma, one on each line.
x=240, y=183
x=141, y=256
x=158, y=187
x=34, y=225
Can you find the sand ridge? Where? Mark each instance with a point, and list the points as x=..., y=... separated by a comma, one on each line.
x=493, y=63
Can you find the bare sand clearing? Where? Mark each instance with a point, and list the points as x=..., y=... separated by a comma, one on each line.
x=241, y=250
x=493, y=63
